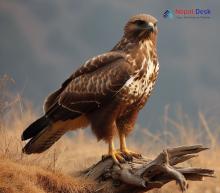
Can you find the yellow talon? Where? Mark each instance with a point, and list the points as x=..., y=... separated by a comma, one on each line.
x=122, y=155
x=116, y=156
x=130, y=154
x=127, y=154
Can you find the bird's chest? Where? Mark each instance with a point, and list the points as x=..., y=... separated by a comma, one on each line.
x=140, y=85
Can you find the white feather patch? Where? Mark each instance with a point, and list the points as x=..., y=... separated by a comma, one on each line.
x=140, y=86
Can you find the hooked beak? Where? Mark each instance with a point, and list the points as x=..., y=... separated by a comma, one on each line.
x=150, y=27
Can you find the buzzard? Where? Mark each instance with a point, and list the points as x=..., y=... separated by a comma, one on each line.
x=106, y=92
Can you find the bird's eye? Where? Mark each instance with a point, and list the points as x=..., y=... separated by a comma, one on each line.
x=155, y=24
x=140, y=22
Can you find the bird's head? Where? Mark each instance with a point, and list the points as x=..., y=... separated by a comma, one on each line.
x=141, y=27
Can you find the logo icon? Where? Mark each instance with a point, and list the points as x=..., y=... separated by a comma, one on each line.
x=168, y=14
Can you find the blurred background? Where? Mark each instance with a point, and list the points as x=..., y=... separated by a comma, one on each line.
x=43, y=41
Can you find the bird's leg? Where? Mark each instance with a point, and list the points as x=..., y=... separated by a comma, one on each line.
x=114, y=154
x=124, y=150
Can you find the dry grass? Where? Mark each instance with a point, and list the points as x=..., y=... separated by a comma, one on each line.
x=53, y=170
x=18, y=178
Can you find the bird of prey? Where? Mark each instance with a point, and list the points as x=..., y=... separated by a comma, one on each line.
x=106, y=92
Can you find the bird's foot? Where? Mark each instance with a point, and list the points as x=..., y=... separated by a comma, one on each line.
x=116, y=156
x=121, y=156
x=128, y=155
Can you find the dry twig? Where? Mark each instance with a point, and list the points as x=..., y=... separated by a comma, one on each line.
x=141, y=175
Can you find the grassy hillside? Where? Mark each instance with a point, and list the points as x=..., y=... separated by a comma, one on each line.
x=21, y=178
x=56, y=169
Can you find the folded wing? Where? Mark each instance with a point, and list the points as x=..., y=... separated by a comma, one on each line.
x=93, y=85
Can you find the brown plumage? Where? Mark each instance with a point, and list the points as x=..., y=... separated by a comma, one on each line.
x=107, y=92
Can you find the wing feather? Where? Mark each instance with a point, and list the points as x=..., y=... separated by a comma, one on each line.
x=93, y=84
x=90, y=91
